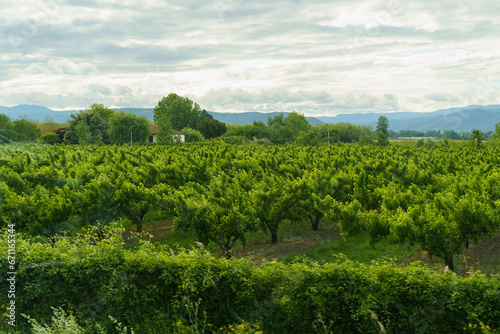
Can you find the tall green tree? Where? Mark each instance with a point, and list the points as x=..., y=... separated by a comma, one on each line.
x=124, y=127
x=6, y=129
x=277, y=131
x=476, y=138
x=163, y=105
x=296, y=122
x=382, y=131
x=181, y=112
x=25, y=130
x=222, y=212
x=496, y=135
x=83, y=134
x=97, y=118
x=165, y=134
x=274, y=196
x=211, y=128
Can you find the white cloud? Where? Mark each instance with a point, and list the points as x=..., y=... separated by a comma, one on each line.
x=66, y=66
x=315, y=57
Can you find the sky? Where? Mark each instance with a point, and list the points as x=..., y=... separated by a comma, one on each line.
x=320, y=58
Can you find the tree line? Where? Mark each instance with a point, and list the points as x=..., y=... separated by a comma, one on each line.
x=98, y=124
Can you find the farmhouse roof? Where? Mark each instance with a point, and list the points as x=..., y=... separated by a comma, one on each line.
x=154, y=130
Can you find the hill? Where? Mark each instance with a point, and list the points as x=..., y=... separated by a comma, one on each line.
x=464, y=119
x=483, y=118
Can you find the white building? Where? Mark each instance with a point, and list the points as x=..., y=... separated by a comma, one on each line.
x=179, y=137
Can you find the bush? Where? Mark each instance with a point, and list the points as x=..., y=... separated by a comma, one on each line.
x=50, y=138
x=192, y=135
x=153, y=288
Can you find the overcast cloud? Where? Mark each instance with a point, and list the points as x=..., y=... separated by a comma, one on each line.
x=316, y=57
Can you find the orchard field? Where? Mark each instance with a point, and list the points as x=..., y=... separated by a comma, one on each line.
x=68, y=206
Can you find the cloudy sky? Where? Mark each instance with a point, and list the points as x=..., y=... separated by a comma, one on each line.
x=316, y=57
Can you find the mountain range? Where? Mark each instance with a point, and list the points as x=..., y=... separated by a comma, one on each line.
x=459, y=119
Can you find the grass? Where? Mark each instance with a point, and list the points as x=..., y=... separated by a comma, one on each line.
x=296, y=241
x=357, y=249
x=483, y=256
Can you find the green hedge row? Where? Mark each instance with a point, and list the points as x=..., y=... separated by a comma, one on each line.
x=152, y=288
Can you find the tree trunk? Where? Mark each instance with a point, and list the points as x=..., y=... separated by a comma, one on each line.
x=315, y=221
x=138, y=224
x=274, y=237
x=448, y=261
x=226, y=246
x=226, y=250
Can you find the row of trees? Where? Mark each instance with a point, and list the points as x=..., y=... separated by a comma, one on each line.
x=98, y=124
x=438, y=134
x=101, y=125
x=294, y=128
x=19, y=130
x=441, y=199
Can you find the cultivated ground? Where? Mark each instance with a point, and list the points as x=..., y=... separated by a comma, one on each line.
x=327, y=245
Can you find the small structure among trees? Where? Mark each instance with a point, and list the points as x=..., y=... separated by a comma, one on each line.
x=177, y=136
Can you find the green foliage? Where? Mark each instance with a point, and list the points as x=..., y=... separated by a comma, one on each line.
x=6, y=129
x=83, y=133
x=50, y=138
x=383, y=125
x=382, y=139
x=211, y=128
x=124, y=127
x=297, y=122
x=163, y=105
x=222, y=212
x=165, y=133
x=62, y=323
x=447, y=134
x=343, y=133
x=411, y=133
x=155, y=289
x=382, y=131
x=476, y=138
x=93, y=120
x=495, y=136
x=180, y=112
x=274, y=198
x=25, y=130
x=192, y=135
x=421, y=196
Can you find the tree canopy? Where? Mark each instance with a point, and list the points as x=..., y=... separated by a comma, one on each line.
x=180, y=111
x=94, y=121
x=382, y=131
x=125, y=126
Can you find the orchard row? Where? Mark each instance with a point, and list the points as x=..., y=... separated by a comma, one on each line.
x=441, y=198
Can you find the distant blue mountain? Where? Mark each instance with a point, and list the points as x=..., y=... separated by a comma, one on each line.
x=458, y=119
x=37, y=113
x=483, y=118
